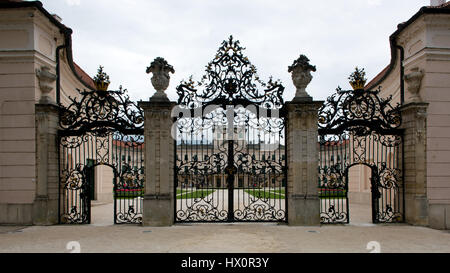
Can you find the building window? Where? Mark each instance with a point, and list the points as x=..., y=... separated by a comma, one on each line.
x=218, y=182
x=241, y=182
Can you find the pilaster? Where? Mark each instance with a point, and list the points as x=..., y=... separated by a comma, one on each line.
x=414, y=116
x=45, y=206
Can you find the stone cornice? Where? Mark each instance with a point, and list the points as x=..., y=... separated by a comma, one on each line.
x=312, y=106
x=150, y=105
x=413, y=105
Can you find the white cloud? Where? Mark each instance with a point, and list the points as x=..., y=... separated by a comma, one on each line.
x=73, y=2
x=374, y=2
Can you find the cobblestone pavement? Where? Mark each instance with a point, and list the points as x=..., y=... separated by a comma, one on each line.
x=103, y=236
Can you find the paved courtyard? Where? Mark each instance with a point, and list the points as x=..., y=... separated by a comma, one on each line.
x=103, y=236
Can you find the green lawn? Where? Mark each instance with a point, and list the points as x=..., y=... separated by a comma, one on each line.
x=180, y=191
x=279, y=191
x=129, y=194
x=332, y=193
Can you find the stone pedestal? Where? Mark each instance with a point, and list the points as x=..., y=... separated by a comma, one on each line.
x=158, y=209
x=414, y=116
x=303, y=155
x=45, y=206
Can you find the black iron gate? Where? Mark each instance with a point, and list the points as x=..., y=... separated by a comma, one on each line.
x=357, y=127
x=101, y=137
x=230, y=144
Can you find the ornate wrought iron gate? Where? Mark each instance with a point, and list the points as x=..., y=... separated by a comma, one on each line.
x=230, y=147
x=359, y=127
x=101, y=134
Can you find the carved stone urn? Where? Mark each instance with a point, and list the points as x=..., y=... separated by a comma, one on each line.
x=414, y=80
x=161, y=77
x=301, y=76
x=46, y=79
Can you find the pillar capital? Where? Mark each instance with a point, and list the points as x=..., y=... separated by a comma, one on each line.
x=303, y=107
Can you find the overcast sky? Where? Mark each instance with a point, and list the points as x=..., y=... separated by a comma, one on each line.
x=126, y=35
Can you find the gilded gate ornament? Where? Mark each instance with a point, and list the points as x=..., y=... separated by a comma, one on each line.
x=101, y=80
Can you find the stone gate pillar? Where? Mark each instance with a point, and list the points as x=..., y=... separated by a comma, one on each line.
x=158, y=207
x=302, y=147
x=45, y=207
x=414, y=118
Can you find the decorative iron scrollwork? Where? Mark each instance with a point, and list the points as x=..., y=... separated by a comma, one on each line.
x=74, y=180
x=230, y=79
x=100, y=112
x=361, y=111
x=332, y=216
x=202, y=209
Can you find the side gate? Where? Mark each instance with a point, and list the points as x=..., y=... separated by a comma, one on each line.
x=357, y=127
x=101, y=136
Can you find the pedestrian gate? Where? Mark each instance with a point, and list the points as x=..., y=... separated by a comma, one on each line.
x=359, y=127
x=101, y=137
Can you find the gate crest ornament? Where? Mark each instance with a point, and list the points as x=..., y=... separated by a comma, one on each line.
x=100, y=111
x=359, y=109
x=101, y=80
x=230, y=79
x=357, y=79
